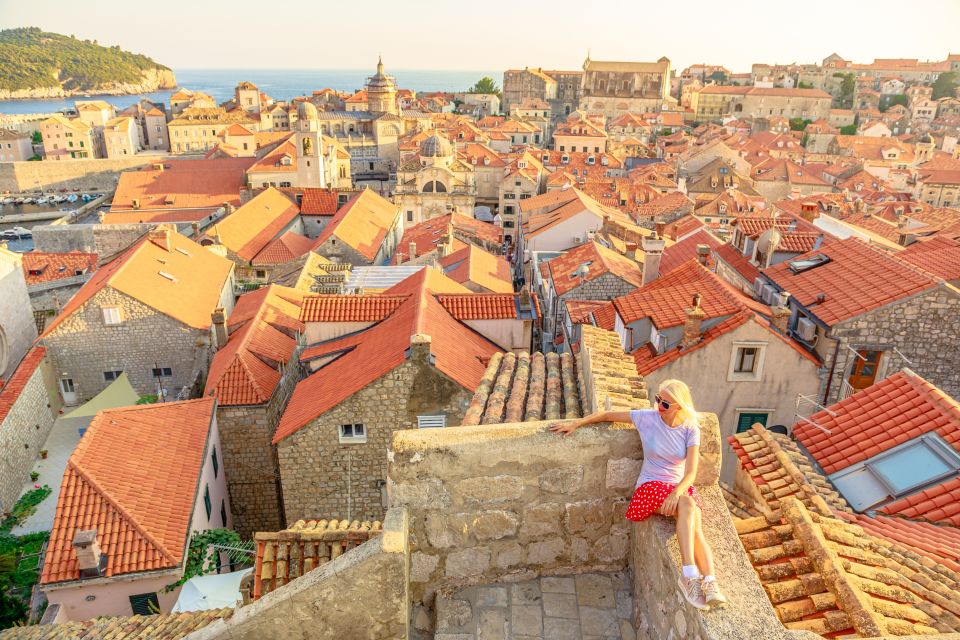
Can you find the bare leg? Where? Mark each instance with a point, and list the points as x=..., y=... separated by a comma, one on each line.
x=701, y=548
x=685, y=526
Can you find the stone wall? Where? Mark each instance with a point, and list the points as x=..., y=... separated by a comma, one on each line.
x=323, y=478
x=511, y=502
x=17, y=327
x=86, y=175
x=105, y=240
x=25, y=427
x=361, y=595
x=252, y=469
x=924, y=328
x=83, y=347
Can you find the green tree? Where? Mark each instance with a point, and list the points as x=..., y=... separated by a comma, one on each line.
x=945, y=85
x=848, y=85
x=804, y=85
x=799, y=124
x=37, y=138
x=718, y=77
x=849, y=130
x=485, y=85
x=892, y=100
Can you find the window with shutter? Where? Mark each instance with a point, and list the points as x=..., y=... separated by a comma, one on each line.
x=145, y=604
x=206, y=501
x=216, y=463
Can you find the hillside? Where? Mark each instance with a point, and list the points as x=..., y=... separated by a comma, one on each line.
x=38, y=64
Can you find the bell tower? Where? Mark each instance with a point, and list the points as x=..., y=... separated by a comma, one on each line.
x=309, y=141
x=381, y=92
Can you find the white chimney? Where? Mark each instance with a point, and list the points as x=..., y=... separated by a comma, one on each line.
x=652, y=252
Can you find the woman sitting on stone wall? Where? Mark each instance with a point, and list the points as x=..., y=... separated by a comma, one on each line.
x=670, y=434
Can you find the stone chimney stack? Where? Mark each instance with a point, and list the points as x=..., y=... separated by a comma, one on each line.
x=652, y=252
x=218, y=320
x=160, y=237
x=412, y=248
x=691, y=327
x=808, y=211
x=703, y=254
x=420, y=349
x=632, y=251
x=195, y=226
x=89, y=557
x=780, y=313
x=525, y=302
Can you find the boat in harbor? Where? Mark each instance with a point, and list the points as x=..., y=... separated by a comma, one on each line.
x=28, y=200
x=72, y=197
x=8, y=200
x=17, y=233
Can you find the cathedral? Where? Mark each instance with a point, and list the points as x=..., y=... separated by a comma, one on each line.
x=435, y=183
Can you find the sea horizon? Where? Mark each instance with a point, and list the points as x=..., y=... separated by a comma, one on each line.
x=280, y=84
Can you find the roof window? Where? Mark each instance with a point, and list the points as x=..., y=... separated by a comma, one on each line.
x=166, y=275
x=805, y=264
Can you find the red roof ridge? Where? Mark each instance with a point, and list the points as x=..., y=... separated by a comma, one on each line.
x=944, y=403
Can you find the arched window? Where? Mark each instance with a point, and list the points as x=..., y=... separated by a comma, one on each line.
x=434, y=187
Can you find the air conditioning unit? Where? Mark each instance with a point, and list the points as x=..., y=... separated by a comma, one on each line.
x=758, y=285
x=578, y=239
x=770, y=295
x=806, y=329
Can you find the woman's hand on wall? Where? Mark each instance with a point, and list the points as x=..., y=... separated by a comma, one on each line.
x=565, y=428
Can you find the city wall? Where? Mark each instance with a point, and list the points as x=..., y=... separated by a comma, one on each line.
x=86, y=175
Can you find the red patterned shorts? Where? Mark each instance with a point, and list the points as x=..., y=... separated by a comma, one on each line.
x=650, y=496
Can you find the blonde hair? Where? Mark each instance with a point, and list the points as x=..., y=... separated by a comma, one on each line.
x=680, y=392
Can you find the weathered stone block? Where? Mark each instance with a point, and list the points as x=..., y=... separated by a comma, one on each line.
x=509, y=556
x=566, y=480
x=622, y=473
x=595, y=590
x=422, y=565
x=444, y=532
x=541, y=519
x=544, y=552
x=467, y=562
x=490, y=489
x=526, y=620
x=588, y=515
x=453, y=613
x=560, y=605
x=493, y=525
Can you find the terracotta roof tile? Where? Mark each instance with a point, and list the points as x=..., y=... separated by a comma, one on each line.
x=319, y=202
x=286, y=248
x=183, y=184
x=10, y=392
x=480, y=306
x=265, y=325
x=940, y=255
x=878, y=418
x=940, y=503
x=599, y=260
x=738, y=262
x=48, y=267
x=858, y=278
x=349, y=308
x=362, y=223
x=938, y=543
x=680, y=252
x=485, y=270
x=252, y=227
x=168, y=626
x=136, y=489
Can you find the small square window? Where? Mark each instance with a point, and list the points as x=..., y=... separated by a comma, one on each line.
x=746, y=360
x=110, y=376
x=112, y=316
x=162, y=372
x=353, y=433
x=432, y=422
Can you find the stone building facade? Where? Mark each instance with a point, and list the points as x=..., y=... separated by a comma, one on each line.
x=30, y=405
x=17, y=327
x=253, y=475
x=324, y=477
x=87, y=352
x=919, y=332
x=615, y=88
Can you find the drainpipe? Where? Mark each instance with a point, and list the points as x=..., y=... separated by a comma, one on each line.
x=833, y=366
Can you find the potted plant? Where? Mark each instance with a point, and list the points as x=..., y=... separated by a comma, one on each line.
x=34, y=476
x=43, y=454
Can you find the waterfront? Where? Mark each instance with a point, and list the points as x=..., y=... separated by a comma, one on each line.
x=280, y=84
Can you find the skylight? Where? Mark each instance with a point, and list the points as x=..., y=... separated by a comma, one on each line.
x=898, y=472
x=805, y=264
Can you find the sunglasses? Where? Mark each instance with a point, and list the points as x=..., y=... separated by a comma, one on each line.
x=663, y=403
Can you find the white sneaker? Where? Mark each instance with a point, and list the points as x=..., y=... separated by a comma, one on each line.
x=711, y=593
x=692, y=591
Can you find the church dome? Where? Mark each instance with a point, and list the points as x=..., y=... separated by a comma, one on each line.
x=306, y=111
x=436, y=146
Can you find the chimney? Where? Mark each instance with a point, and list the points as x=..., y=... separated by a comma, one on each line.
x=160, y=236
x=196, y=229
x=89, y=559
x=691, y=327
x=218, y=320
x=808, y=211
x=412, y=248
x=450, y=234
x=525, y=303
x=420, y=349
x=703, y=254
x=780, y=313
x=632, y=251
x=652, y=251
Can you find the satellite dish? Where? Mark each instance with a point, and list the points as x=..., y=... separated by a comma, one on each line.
x=778, y=428
x=583, y=271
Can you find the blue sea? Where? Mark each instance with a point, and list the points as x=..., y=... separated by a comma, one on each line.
x=281, y=84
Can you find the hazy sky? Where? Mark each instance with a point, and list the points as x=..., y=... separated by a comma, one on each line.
x=498, y=34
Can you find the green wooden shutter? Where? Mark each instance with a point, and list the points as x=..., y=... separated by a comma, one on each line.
x=145, y=604
x=747, y=420
x=206, y=501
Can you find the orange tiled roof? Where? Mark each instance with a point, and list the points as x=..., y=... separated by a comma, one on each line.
x=480, y=306
x=886, y=414
x=47, y=267
x=362, y=223
x=184, y=282
x=939, y=504
x=135, y=488
x=183, y=184
x=472, y=264
x=600, y=261
x=349, y=308
x=251, y=228
x=665, y=299
x=739, y=262
x=318, y=202
x=427, y=234
x=938, y=543
x=12, y=387
x=286, y=248
x=680, y=252
x=857, y=279
x=265, y=325
x=459, y=352
x=940, y=255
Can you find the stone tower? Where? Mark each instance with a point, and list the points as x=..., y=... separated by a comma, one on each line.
x=924, y=147
x=381, y=92
x=309, y=147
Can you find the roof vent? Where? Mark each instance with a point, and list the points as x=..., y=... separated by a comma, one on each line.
x=167, y=276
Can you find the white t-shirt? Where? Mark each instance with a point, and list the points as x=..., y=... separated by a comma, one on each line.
x=664, y=447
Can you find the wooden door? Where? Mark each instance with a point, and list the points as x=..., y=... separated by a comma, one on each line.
x=863, y=372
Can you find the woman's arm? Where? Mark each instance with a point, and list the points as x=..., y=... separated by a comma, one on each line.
x=689, y=475
x=566, y=428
